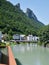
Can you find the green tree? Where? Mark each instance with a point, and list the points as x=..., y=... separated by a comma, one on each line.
x=44, y=34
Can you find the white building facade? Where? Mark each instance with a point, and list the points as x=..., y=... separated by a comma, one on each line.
x=19, y=37
x=1, y=35
x=35, y=38
x=32, y=38
x=29, y=37
x=16, y=37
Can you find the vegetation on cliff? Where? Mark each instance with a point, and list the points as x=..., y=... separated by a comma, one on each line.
x=14, y=21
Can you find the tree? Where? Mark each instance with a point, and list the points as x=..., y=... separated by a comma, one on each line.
x=44, y=34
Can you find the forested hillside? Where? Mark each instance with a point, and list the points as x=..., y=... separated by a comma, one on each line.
x=14, y=20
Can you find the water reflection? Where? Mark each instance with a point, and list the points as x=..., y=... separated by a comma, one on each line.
x=31, y=54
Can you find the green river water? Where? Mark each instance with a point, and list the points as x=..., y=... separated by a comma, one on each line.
x=31, y=54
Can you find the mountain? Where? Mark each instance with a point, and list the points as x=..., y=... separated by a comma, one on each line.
x=30, y=14
x=13, y=20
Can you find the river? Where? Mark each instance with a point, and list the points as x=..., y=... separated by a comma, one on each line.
x=29, y=54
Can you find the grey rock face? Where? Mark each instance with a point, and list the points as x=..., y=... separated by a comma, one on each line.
x=17, y=5
x=30, y=14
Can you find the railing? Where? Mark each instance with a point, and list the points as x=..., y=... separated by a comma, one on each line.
x=10, y=58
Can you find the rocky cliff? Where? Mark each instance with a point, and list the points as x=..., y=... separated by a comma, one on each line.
x=17, y=5
x=30, y=14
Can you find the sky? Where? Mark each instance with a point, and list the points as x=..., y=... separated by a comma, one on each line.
x=39, y=7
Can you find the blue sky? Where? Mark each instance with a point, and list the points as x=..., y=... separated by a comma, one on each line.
x=39, y=7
